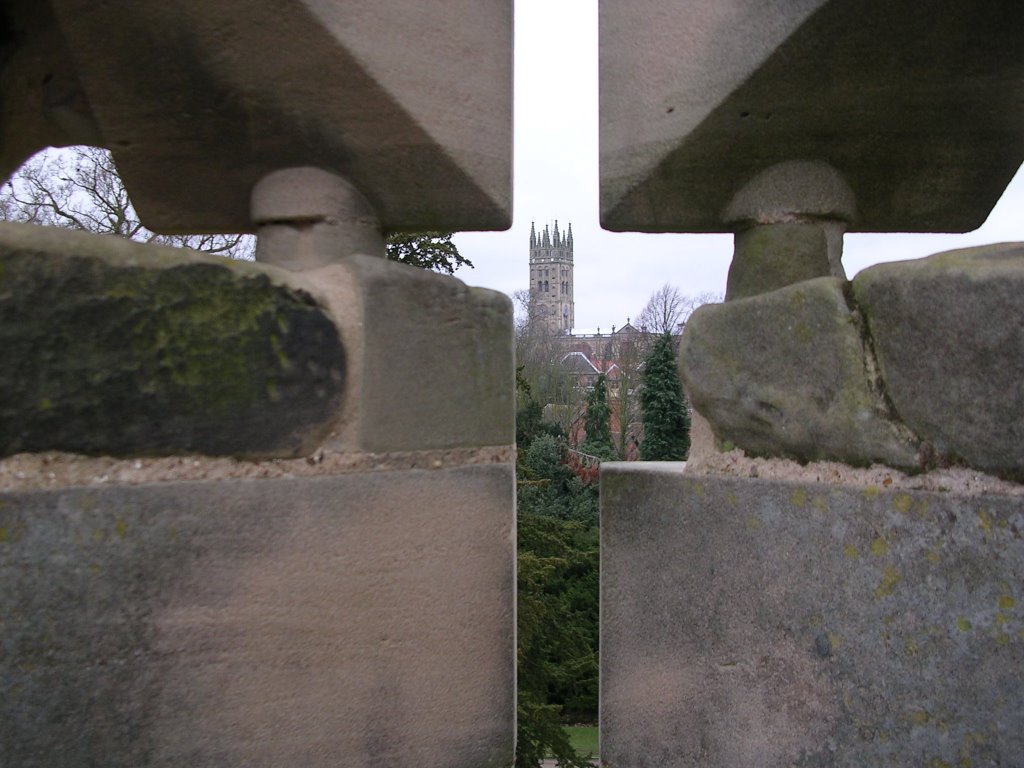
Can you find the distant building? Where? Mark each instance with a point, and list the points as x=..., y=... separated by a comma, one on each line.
x=551, y=278
x=584, y=355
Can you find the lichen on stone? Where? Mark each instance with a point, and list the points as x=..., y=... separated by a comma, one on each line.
x=178, y=355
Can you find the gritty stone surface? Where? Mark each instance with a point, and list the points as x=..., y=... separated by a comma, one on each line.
x=364, y=619
x=44, y=104
x=305, y=195
x=793, y=188
x=308, y=218
x=960, y=480
x=430, y=361
x=112, y=347
x=914, y=364
x=771, y=623
x=51, y=470
x=785, y=374
x=948, y=333
x=698, y=99
x=772, y=256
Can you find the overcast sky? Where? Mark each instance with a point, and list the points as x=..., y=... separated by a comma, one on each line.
x=556, y=177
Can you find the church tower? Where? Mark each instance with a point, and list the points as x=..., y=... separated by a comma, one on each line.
x=551, y=278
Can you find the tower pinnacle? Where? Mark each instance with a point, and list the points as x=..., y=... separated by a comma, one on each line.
x=551, y=278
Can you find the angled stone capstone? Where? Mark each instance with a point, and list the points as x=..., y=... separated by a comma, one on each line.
x=920, y=115
x=410, y=102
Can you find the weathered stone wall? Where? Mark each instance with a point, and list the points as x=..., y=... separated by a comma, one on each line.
x=336, y=587
x=162, y=607
x=363, y=618
x=762, y=622
x=700, y=98
x=367, y=618
x=291, y=541
x=772, y=623
x=112, y=347
x=913, y=364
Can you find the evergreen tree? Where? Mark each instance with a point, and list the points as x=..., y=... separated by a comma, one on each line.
x=557, y=596
x=557, y=620
x=597, y=423
x=548, y=487
x=666, y=418
x=426, y=250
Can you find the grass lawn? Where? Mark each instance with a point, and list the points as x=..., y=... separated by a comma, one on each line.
x=583, y=738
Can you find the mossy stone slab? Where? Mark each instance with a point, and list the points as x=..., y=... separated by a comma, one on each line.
x=948, y=333
x=113, y=347
x=786, y=374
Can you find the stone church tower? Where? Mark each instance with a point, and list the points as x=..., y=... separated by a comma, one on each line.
x=551, y=278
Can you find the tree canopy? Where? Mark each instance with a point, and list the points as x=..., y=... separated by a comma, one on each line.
x=597, y=422
x=666, y=418
x=539, y=356
x=663, y=312
x=667, y=309
x=427, y=250
x=557, y=593
x=557, y=622
x=80, y=188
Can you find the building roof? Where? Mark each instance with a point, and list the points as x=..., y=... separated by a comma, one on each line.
x=577, y=362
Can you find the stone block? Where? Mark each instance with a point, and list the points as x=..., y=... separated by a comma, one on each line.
x=43, y=100
x=948, y=333
x=410, y=102
x=810, y=189
x=698, y=99
x=348, y=620
x=762, y=622
x=430, y=360
x=786, y=373
x=307, y=218
x=773, y=256
x=112, y=347
x=915, y=364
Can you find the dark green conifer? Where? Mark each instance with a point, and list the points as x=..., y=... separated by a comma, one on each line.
x=666, y=418
x=597, y=422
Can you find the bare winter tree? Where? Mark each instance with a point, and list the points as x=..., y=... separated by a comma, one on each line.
x=79, y=188
x=539, y=358
x=667, y=309
x=630, y=354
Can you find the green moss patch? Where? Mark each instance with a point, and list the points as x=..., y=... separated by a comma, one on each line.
x=128, y=359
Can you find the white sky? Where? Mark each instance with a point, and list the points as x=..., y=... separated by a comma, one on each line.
x=555, y=177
